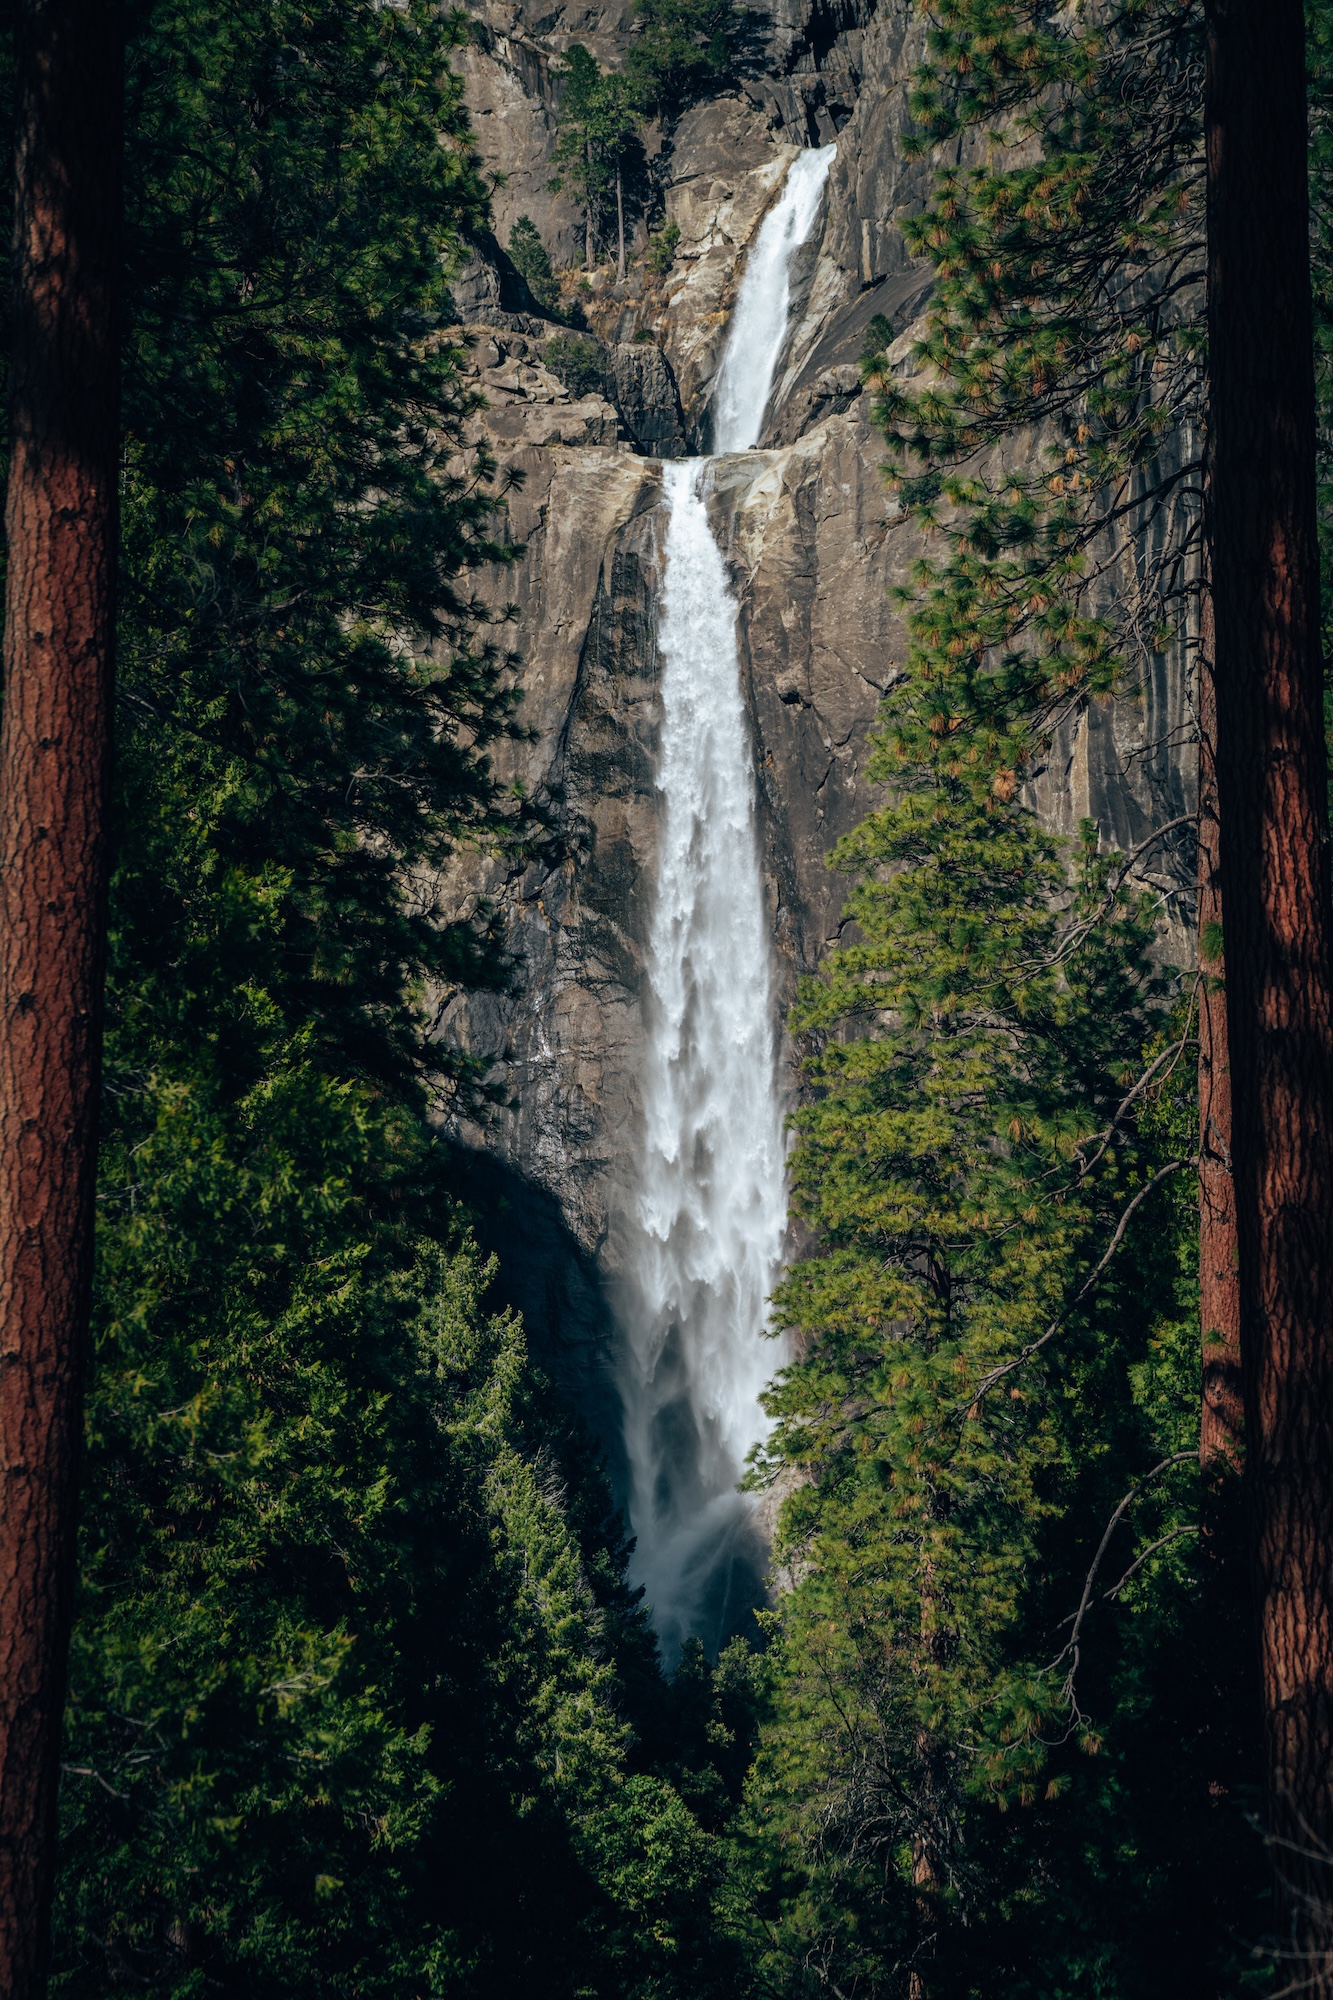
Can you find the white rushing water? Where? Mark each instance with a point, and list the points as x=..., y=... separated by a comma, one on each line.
x=758, y=331
x=711, y=1203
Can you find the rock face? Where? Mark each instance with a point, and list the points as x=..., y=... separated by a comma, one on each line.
x=648, y=399
x=813, y=549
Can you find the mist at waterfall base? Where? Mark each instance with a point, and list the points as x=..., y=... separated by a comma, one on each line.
x=709, y=1214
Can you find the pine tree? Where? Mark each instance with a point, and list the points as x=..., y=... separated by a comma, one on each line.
x=55, y=744
x=995, y=1350
x=684, y=51
x=997, y=1592
x=1272, y=772
x=528, y=255
x=599, y=124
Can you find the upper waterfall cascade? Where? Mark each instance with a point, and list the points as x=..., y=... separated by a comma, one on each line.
x=758, y=331
x=710, y=1209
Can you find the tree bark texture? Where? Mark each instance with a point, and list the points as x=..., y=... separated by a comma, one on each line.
x=587, y=210
x=620, y=224
x=1273, y=808
x=55, y=738
x=1222, y=1411
x=925, y=1880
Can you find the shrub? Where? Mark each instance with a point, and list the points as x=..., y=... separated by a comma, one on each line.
x=662, y=249
x=687, y=50
x=879, y=337
x=580, y=364
x=527, y=254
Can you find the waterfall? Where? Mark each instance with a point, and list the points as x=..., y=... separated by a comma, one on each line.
x=758, y=331
x=710, y=1210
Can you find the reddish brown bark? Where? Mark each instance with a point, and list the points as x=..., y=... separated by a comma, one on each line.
x=620, y=224
x=60, y=527
x=1273, y=805
x=1222, y=1412
x=925, y=1879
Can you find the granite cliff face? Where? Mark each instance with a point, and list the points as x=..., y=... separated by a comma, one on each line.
x=812, y=548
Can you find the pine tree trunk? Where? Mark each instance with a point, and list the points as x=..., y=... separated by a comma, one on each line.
x=54, y=757
x=1222, y=1413
x=587, y=211
x=1273, y=808
x=620, y=226
x=925, y=1880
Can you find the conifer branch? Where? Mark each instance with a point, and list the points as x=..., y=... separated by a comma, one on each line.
x=1172, y=1534
x=1103, y=1139
x=1025, y=1354
x=1115, y=881
x=1175, y=1458
x=1071, y=1646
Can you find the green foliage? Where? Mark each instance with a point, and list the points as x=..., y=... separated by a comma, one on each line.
x=528, y=255
x=964, y=1414
x=334, y=1650
x=1067, y=297
x=662, y=249
x=684, y=51
x=356, y=1678
x=944, y=1778
x=297, y=660
x=577, y=362
x=879, y=337
x=995, y=1745
x=360, y=1702
x=598, y=144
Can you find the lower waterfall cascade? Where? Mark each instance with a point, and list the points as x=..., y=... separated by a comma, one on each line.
x=709, y=1214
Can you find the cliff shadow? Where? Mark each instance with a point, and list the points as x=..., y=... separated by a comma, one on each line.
x=546, y=1276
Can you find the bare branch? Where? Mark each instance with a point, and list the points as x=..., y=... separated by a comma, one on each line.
x=1071, y=1646
x=1025, y=1354
x=1172, y=1534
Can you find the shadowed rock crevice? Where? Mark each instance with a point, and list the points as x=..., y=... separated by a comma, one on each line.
x=546, y=1276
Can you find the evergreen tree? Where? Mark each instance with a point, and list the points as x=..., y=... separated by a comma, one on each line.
x=684, y=51
x=1007, y=1750
x=581, y=364
x=1277, y=902
x=1319, y=62
x=962, y=1780
x=294, y=538
x=1045, y=424
x=598, y=146
x=357, y=1691
x=55, y=744
x=528, y=255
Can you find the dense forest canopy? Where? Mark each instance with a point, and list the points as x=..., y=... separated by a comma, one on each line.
x=360, y=1700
